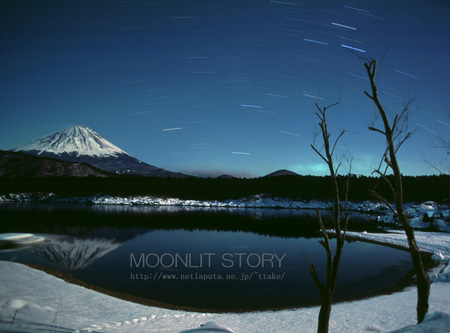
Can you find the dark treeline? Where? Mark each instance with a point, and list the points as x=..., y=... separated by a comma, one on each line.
x=420, y=188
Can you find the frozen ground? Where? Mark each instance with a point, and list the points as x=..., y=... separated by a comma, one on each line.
x=33, y=301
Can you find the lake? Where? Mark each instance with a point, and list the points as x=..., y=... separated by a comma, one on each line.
x=215, y=259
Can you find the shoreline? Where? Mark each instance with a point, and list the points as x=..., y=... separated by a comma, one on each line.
x=402, y=285
x=258, y=201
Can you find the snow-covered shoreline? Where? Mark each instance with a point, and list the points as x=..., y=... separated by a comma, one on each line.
x=421, y=215
x=254, y=201
x=32, y=301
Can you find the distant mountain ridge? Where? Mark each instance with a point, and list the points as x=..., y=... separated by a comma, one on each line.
x=83, y=145
x=20, y=165
x=282, y=172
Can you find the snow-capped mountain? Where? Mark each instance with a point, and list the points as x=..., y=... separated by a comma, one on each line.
x=83, y=145
x=76, y=141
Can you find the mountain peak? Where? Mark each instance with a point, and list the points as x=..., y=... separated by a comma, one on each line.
x=76, y=140
x=83, y=145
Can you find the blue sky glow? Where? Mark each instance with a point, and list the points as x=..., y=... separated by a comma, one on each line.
x=213, y=87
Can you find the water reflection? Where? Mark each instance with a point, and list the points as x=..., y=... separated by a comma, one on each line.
x=229, y=270
x=254, y=213
x=219, y=258
x=72, y=219
x=74, y=253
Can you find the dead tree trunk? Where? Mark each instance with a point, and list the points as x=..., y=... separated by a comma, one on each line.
x=327, y=288
x=395, y=137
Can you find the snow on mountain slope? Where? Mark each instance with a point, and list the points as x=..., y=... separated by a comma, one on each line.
x=75, y=140
x=83, y=145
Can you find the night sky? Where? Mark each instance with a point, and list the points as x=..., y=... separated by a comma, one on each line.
x=212, y=87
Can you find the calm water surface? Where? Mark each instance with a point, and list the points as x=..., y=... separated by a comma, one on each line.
x=148, y=253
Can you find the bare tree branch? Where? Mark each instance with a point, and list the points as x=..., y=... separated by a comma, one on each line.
x=389, y=184
x=395, y=137
x=400, y=143
x=320, y=285
x=318, y=153
x=336, y=141
x=327, y=288
x=376, y=130
x=383, y=199
x=442, y=142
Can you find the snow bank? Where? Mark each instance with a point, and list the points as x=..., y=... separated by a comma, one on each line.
x=436, y=243
x=434, y=322
x=424, y=215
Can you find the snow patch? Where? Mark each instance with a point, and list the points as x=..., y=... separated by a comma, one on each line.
x=19, y=304
x=209, y=327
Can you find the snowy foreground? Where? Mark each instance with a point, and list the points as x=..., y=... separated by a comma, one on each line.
x=33, y=301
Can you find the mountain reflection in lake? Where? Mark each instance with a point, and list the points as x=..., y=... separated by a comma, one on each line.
x=213, y=269
x=74, y=253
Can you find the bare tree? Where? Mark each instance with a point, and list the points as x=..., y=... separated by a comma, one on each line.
x=441, y=142
x=327, y=288
x=395, y=135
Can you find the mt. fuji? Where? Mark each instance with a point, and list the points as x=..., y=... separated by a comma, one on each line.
x=83, y=145
x=74, y=141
